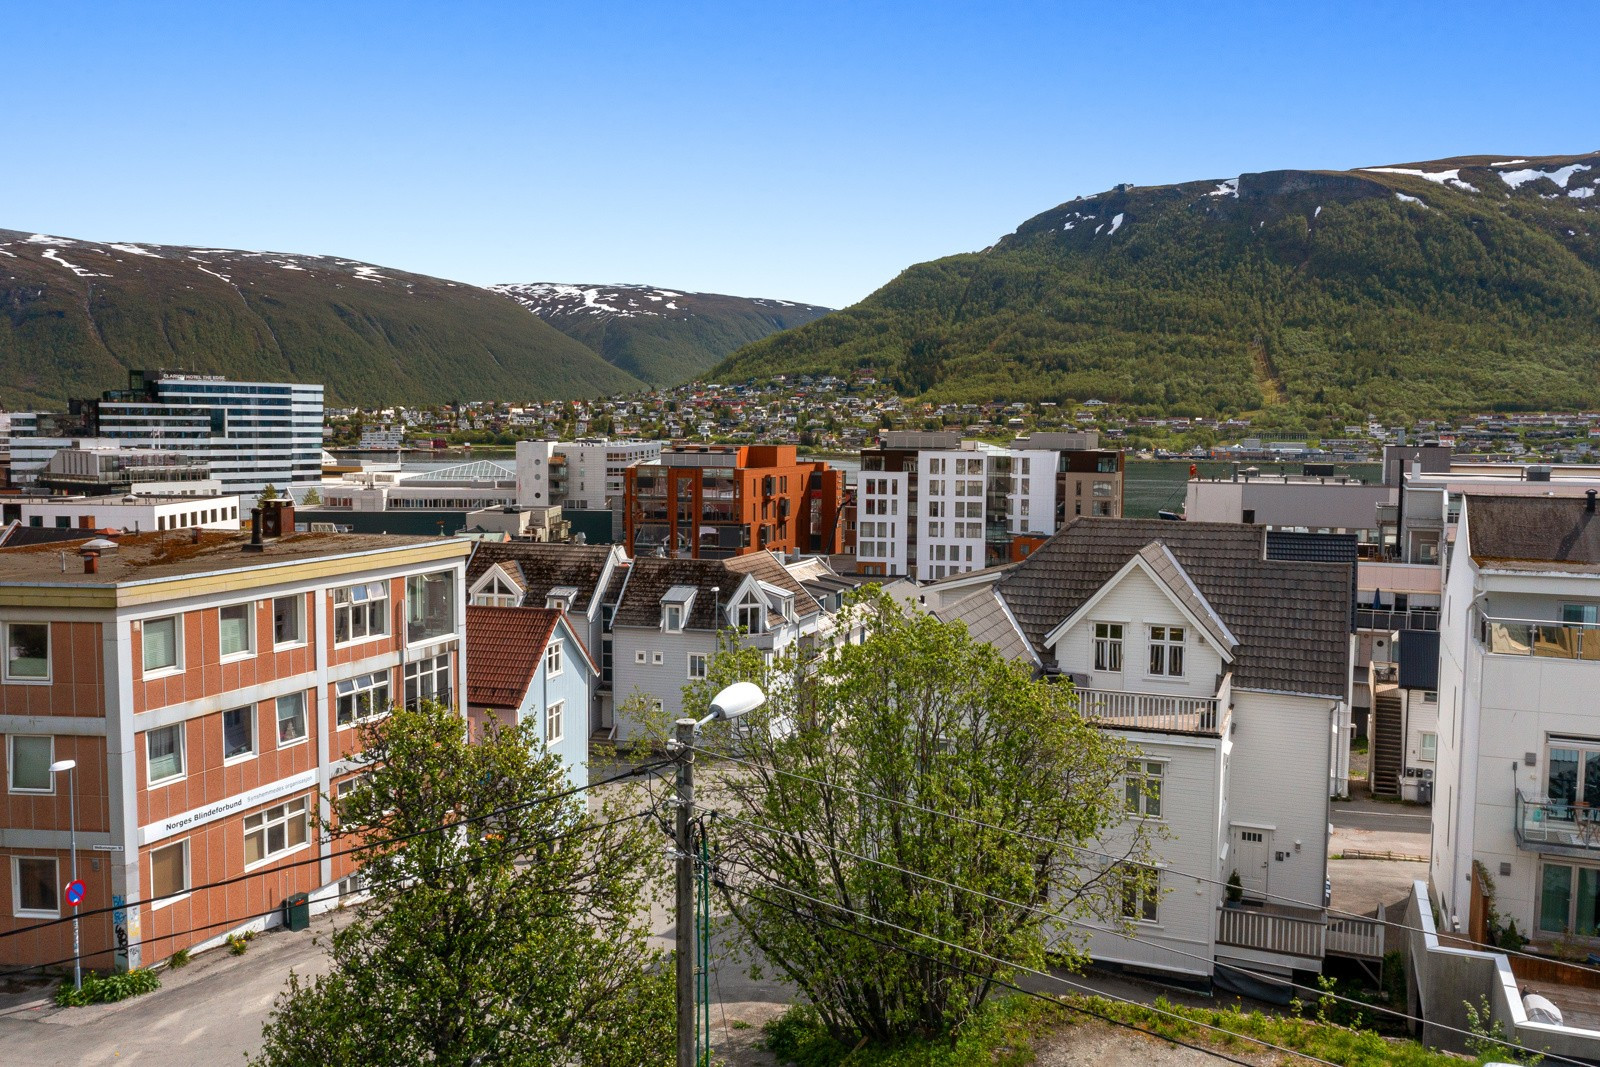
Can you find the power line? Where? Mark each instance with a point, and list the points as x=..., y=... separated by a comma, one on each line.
x=1262, y=976
x=403, y=881
x=1279, y=898
x=220, y=883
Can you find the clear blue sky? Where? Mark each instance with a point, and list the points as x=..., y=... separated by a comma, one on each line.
x=806, y=151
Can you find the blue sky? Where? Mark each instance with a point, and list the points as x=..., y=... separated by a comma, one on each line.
x=806, y=151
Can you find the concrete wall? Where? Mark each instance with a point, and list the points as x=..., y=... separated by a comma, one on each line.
x=1336, y=506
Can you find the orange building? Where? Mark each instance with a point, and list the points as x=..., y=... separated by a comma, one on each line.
x=209, y=690
x=717, y=501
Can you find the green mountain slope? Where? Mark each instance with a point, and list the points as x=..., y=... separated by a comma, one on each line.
x=660, y=335
x=76, y=315
x=1457, y=284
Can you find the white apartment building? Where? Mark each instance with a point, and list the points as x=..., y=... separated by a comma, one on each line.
x=128, y=514
x=384, y=438
x=883, y=510
x=1518, y=738
x=253, y=434
x=594, y=468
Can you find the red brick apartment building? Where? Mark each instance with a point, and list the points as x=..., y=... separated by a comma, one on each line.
x=718, y=501
x=209, y=691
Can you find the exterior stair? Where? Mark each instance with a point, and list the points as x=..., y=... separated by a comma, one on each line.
x=1388, y=743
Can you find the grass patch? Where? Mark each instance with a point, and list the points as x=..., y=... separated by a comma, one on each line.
x=1001, y=1036
x=103, y=989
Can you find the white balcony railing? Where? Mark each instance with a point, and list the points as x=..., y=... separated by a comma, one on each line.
x=1269, y=932
x=1156, y=711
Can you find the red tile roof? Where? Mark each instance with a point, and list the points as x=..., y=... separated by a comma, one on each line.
x=504, y=647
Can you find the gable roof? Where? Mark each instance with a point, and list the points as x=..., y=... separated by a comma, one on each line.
x=1291, y=619
x=1158, y=562
x=504, y=649
x=651, y=577
x=987, y=619
x=1557, y=533
x=541, y=566
x=768, y=568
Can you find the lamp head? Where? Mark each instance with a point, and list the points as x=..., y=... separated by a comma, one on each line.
x=740, y=698
x=62, y=765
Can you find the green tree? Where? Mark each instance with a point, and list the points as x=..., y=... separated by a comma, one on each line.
x=519, y=936
x=920, y=712
x=269, y=493
x=312, y=498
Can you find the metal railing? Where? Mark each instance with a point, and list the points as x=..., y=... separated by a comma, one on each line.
x=1542, y=825
x=1269, y=932
x=1395, y=619
x=1543, y=639
x=1154, y=711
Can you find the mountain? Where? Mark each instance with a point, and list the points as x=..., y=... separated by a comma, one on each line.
x=76, y=315
x=1457, y=284
x=660, y=335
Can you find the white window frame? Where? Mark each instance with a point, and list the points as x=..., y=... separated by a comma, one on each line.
x=299, y=601
x=11, y=765
x=552, y=659
x=29, y=679
x=1163, y=646
x=188, y=876
x=16, y=889
x=1139, y=799
x=672, y=618
x=704, y=664
x=1139, y=893
x=182, y=750
x=252, y=714
x=1108, y=647
x=755, y=611
x=305, y=720
x=267, y=822
x=176, y=666
x=657, y=657
x=349, y=605
x=1428, y=747
x=640, y=656
x=249, y=609
x=555, y=722
x=357, y=691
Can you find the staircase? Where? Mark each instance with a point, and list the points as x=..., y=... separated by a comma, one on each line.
x=1388, y=742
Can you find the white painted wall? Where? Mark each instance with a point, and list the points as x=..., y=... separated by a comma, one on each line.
x=1138, y=603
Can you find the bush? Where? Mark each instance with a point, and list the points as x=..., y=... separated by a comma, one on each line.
x=999, y=1036
x=178, y=959
x=103, y=989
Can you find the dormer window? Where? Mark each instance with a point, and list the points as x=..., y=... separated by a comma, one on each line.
x=675, y=607
x=497, y=593
x=752, y=616
x=672, y=618
x=561, y=598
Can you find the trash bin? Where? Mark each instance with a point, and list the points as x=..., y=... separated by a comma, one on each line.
x=297, y=911
x=1425, y=791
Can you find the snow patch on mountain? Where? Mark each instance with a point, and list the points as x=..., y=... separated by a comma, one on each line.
x=1560, y=175
x=1438, y=177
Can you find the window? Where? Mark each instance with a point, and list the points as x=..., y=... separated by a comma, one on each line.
x=1108, y=646
x=430, y=606
x=30, y=764
x=288, y=620
x=1166, y=651
x=1430, y=697
x=163, y=751
x=235, y=627
x=751, y=615
x=672, y=618
x=27, y=651
x=34, y=886
x=291, y=719
x=361, y=698
x=553, y=722
x=656, y=658
x=360, y=612
x=161, y=644
x=275, y=831
x=639, y=656
x=1141, y=893
x=1143, y=788
x=428, y=679
x=552, y=659
x=1429, y=748
x=169, y=872
x=497, y=594
x=1569, y=900
x=697, y=665
x=239, y=732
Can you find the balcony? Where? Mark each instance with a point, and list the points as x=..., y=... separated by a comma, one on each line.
x=1393, y=619
x=1157, y=712
x=1543, y=639
x=1300, y=932
x=1557, y=826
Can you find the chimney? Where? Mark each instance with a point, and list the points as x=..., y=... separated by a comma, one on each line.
x=91, y=561
x=255, y=544
x=1589, y=507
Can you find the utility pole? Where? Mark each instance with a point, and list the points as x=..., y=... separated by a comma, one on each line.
x=683, y=738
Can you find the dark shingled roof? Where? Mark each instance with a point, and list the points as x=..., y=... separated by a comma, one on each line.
x=768, y=568
x=503, y=650
x=1292, y=619
x=651, y=576
x=1533, y=529
x=542, y=567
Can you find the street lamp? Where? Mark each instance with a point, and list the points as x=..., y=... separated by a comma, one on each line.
x=736, y=700
x=70, y=766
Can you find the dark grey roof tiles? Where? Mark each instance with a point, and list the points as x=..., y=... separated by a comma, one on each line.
x=542, y=567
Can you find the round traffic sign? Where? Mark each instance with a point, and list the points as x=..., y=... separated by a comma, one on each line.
x=75, y=893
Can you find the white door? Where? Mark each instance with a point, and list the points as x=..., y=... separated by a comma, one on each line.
x=1252, y=854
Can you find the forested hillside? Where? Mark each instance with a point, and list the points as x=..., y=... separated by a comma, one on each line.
x=1469, y=283
x=75, y=316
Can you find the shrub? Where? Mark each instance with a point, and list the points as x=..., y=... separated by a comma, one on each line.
x=998, y=1036
x=103, y=989
x=178, y=959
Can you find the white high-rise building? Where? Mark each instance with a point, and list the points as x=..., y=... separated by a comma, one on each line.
x=594, y=469
x=253, y=434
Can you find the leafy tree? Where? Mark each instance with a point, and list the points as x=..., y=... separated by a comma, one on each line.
x=517, y=938
x=922, y=713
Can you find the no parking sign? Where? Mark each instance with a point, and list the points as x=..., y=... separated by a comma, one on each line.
x=75, y=892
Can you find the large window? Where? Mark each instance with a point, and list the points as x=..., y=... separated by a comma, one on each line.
x=361, y=698
x=1569, y=900
x=271, y=833
x=291, y=719
x=1142, y=784
x=34, y=886
x=288, y=620
x=428, y=679
x=235, y=626
x=161, y=643
x=752, y=617
x=239, y=732
x=430, y=606
x=360, y=611
x=169, y=872
x=555, y=722
x=497, y=594
x=697, y=665
x=1166, y=651
x=1429, y=748
x=1141, y=893
x=164, y=753
x=1108, y=646
x=30, y=763
x=27, y=651
x=1574, y=779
